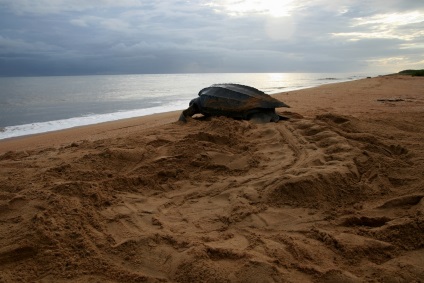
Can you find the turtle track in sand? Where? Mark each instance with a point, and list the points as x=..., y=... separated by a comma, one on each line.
x=215, y=201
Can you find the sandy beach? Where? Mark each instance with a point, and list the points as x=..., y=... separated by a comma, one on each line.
x=334, y=194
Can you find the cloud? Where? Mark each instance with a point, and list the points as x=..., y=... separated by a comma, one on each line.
x=274, y=8
x=105, y=36
x=112, y=24
x=10, y=46
x=58, y=6
x=279, y=28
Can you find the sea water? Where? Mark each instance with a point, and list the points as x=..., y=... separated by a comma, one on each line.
x=30, y=105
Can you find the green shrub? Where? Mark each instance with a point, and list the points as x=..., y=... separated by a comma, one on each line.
x=419, y=73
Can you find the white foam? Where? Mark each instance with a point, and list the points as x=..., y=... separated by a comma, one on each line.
x=42, y=127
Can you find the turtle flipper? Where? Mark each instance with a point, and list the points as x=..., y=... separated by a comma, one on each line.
x=190, y=111
x=260, y=118
x=263, y=116
x=283, y=118
x=182, y=118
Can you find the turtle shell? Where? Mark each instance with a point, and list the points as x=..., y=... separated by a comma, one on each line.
x=236, y=98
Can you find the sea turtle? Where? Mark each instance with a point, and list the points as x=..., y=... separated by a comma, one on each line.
x=236, y=101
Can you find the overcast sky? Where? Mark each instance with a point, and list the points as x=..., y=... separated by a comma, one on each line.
x=70, y=37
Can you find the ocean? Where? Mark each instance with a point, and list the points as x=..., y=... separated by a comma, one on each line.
x=31, y=105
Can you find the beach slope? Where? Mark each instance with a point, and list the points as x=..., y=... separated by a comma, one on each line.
x=335, y=194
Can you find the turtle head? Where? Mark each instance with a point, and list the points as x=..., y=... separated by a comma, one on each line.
x=193, y=101
x=190, y=111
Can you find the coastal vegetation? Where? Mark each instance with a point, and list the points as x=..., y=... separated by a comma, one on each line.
x=418, y=73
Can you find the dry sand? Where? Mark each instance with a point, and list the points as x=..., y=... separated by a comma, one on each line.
x=335, y=194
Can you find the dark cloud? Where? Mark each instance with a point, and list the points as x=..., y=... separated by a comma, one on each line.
x=135, y=36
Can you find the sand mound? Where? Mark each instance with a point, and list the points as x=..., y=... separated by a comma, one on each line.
x=331, y=198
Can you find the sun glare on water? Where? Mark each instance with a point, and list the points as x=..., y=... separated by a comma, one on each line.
x=274, y=8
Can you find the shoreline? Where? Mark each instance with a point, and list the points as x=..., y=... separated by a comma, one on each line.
x=87, y=132
x=321, y=97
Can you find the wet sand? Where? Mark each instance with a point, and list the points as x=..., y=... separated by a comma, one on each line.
x=335, y=194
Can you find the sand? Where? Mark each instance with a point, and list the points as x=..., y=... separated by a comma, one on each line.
x=335, y=194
